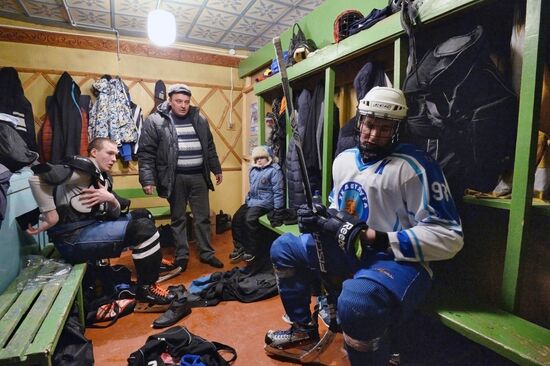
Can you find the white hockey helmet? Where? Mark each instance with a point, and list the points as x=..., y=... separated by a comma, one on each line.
x=384, y=102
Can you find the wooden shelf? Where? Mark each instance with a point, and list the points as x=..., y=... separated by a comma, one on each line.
x=505, y=333
x=539, y=206
x=381, y=33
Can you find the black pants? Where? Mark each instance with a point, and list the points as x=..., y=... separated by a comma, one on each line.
x=247, y=231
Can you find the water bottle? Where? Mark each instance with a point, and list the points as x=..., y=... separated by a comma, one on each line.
x=316, y=198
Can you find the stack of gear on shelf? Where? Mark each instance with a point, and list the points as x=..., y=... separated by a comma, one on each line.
x=299, y=46
x=462, y=111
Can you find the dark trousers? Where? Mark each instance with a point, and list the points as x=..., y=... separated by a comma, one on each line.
x=191, y=189
x=247, y=231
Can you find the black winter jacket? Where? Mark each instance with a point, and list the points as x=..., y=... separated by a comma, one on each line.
x=14, y=103
x=158, y=150
x=66, y=119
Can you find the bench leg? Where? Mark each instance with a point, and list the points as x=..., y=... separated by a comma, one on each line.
x=80, y=304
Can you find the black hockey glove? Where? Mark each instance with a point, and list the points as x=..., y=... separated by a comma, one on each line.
x=309, y=221
x=345, y=228
x=340, y=225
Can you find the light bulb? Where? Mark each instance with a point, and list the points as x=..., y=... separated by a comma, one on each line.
x=161, y=27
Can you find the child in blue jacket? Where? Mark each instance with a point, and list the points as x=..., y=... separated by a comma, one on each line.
x=265, y=194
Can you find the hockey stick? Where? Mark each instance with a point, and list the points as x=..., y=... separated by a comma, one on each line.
x=327, y=338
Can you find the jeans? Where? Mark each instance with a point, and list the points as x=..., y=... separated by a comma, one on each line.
x=90, y=240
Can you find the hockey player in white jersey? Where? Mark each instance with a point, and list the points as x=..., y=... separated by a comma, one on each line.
x=390, y=214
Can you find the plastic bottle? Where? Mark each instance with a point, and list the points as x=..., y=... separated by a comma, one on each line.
x=316, y=198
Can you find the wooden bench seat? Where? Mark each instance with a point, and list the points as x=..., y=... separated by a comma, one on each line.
x=32, y=317
x=510, y=336
x=293, y=229
x=159, y=207
x=517, y=339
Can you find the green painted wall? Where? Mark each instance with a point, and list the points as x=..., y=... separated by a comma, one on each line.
x=317, y=25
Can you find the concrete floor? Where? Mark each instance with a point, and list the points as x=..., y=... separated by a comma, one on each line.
x=242, y=326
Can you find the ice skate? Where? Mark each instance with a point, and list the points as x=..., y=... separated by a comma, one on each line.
x=152, y=299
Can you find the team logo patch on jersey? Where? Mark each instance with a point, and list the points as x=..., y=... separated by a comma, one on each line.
x=353, y=199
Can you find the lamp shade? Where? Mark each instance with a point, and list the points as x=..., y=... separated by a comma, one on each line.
x=161, y=27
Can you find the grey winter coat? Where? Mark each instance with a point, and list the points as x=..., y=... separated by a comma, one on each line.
x=158, y=150
x=266, y=187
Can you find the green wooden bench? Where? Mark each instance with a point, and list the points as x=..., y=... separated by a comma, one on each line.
x=159, y=207
x=510, y=336
x=32, y=318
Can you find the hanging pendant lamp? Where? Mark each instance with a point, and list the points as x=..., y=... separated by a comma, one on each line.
x=161, y=27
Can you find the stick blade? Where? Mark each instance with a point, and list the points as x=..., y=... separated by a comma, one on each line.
x=319, y=348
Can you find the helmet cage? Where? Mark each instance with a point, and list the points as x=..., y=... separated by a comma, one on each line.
x=372, y=153
x=343, y=23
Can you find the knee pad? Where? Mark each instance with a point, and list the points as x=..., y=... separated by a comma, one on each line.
x=139, y=230
x=366, y=309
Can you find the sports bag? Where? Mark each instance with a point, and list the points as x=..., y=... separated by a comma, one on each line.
x=298, y=40
x=179, y=343
x=73, y=348
x=462, y=112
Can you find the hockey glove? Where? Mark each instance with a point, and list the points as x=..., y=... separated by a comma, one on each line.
x=345, y=228
x=310, y=221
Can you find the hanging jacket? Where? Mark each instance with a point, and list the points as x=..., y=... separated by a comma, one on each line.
x=158, y=150
x=320, y=111
x=66, y=120
x=5, y=175
x=111, y=114
x=296, y=196
x=371, y=74
x=277, y=137
x=45, y=134
x=310, y=119
x=14, y=105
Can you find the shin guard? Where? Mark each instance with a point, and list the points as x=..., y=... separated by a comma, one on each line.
x=143, y=237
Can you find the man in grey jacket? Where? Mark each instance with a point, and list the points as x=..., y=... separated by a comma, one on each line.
x=177, y=154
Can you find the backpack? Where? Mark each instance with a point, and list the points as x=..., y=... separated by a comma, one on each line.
x=73, y=348
x=14, y=152
x=181, y=344
x=299, y=45
x=462, y=112
x=223, y=222
x=108, y=294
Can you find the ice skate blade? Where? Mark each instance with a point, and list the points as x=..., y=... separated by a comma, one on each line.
x=145, y=307
x=319, y=348
x=293, y=354
x=166, y=276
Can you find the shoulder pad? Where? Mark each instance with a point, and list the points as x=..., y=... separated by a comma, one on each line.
x=53, y=174
x=85, y=165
